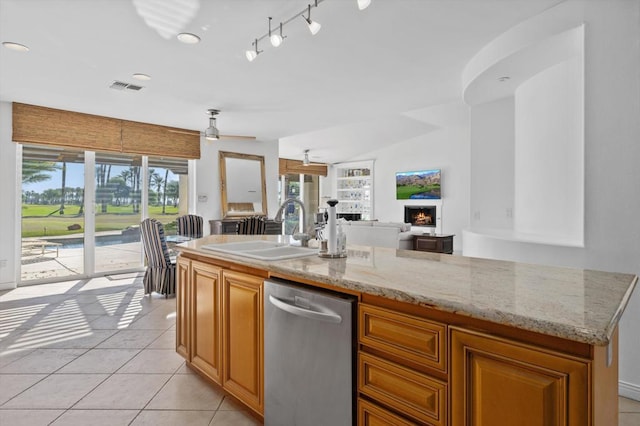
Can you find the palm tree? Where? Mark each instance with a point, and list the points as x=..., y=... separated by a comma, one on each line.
x=34, y=171
x=64, y=184
x=103, y=172
x=157, y=182
x=164, y=190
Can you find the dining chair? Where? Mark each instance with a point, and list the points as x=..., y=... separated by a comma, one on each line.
x=160, y=275
x=190, y=225
x=251, y=225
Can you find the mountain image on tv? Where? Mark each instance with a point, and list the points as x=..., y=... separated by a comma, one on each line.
x=424, y=184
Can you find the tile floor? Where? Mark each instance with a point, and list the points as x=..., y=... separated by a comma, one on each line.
x=99, y=352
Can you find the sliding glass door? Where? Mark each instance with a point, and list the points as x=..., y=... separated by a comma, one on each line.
x=118, y=189
x=52, y=243
x=121, y=190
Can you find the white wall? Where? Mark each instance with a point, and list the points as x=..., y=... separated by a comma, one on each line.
x=549, y=153
x=611, y=159
x=446, y=148
x=492, y=164
x=208, y=175
x=8, y=182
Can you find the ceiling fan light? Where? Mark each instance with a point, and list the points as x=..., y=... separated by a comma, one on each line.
x=363, y=4
x=211, y=134
x=276, y=40
x=305, y=161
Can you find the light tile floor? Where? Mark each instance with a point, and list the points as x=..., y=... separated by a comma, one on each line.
x=99, y=352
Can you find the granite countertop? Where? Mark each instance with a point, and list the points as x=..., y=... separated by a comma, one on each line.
x=580, y=305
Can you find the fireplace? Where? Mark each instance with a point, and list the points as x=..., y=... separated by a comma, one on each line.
x=420, y=215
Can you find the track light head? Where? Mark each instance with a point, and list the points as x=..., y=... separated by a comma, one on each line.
x=276, y=39
x=363, y=4
x=252, y=54
x=314, y=27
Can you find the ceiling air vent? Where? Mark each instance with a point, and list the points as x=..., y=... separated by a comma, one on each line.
x=121, y=85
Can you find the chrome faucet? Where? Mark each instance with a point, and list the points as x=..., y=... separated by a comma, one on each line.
x=303, y=236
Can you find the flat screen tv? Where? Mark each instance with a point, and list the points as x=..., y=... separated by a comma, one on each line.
x=419, y=185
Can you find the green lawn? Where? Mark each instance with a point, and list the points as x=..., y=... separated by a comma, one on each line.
x=406, y=191
x=35, y=218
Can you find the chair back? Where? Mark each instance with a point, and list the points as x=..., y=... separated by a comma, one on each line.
x=190, y=225
x=154, y=243
x=251, y=225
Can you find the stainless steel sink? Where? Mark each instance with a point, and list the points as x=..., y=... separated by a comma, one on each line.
x=261, y=250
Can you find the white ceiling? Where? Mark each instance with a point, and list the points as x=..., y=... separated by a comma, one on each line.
x=359, y=78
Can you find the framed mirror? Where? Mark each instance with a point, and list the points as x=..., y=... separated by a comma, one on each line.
x=243, y=185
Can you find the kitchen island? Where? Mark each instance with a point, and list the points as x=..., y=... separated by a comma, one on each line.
x=442, y=340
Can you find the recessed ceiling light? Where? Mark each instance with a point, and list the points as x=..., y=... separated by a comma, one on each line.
x=188, y=38
x=142, y=77
x=15, y=46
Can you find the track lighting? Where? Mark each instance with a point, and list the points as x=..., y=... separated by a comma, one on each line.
x=363, y=4
x=305, y=161
x=252, y=54
x=277, y=39
x=314, y=27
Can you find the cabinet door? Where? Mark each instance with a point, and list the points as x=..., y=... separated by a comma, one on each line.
x=182, y=308
x=206, y=319
x=498, y=382
x=243, y=346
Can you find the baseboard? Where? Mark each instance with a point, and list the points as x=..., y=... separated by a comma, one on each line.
x=629, y=390
x=7, y=286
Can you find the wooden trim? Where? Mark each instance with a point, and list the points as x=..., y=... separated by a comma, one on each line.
x=605, y=384
x=49, y=126
x=296, y=167
x=222, y=156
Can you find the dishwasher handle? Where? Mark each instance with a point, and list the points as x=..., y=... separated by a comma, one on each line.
x=306, y=313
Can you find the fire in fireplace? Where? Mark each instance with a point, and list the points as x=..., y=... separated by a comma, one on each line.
x=420, y=215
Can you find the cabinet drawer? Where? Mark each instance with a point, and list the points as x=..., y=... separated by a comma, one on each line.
x=410, y=392
x=371, y=415
x=406, y=336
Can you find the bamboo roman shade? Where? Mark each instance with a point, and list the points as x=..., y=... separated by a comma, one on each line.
x=48, y=126
x=296, y=167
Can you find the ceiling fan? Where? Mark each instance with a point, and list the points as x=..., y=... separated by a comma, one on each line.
x=212, y=133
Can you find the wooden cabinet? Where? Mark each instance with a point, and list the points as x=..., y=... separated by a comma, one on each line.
x=371, y=415
x=206, y=320
x=434, y=243
x=183, y=345
x=219, y=327
x=243, y=337
x=496, y=381
x=402, y=366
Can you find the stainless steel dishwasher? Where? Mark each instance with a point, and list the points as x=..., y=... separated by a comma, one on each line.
x=309, y=344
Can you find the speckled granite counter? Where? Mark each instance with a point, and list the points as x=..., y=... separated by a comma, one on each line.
x=580, y=305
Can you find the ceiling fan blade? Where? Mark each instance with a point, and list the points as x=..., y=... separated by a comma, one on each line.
x=237, y=137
